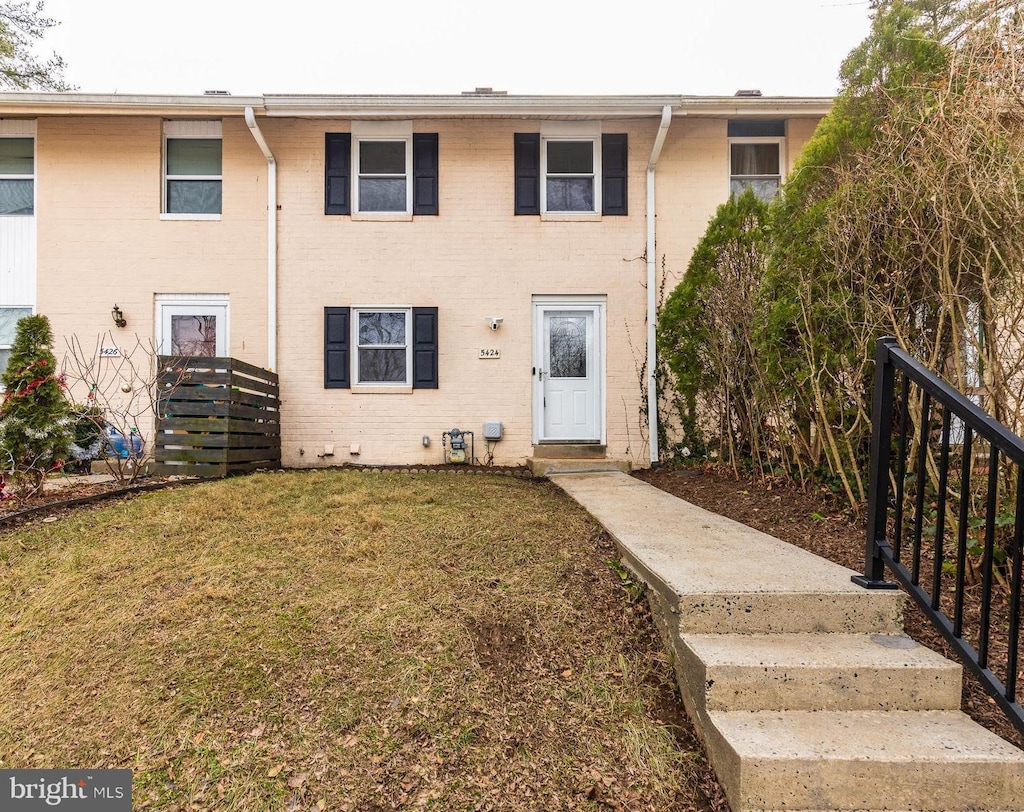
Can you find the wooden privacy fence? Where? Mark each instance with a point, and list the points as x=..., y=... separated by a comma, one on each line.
x=215, y=417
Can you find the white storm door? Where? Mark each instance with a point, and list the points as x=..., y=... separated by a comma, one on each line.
x=196, y=327
x=569, y=374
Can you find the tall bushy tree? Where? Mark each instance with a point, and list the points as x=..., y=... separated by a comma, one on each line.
x=22, y=25
x=705, y=331
x=35, y=423
x=904, y=216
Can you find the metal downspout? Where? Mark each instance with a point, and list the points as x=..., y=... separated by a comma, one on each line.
x=261, y=142
x=652, y=284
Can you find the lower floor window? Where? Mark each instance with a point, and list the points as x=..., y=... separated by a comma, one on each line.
x=382, y=346
x=9, y=317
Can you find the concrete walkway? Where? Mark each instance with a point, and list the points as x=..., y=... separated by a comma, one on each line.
x=806, y=692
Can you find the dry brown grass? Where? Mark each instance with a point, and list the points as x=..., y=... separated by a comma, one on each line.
x=339, y=640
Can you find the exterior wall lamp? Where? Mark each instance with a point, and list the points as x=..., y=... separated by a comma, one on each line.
x=118, y=316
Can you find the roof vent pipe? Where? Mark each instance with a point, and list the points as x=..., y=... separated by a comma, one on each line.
x=261, y=142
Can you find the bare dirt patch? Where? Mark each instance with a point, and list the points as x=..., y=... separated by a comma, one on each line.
x=816, y=522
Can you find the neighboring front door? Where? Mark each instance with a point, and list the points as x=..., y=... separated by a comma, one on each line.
x=568, y=373
x=192, y=326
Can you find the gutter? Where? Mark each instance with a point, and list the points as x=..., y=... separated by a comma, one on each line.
x=652, y=284
x=261, y=142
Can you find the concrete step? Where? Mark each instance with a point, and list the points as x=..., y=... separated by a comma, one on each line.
x=834, y=760
x=816, y=672
x=715, y=575
x=552, y=466
x=569, y=451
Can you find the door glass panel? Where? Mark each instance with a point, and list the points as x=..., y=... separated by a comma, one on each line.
x=194, y=335
x=568, y=347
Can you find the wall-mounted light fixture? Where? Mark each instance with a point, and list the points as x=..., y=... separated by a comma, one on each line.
x=494, y=321
x=118, y=316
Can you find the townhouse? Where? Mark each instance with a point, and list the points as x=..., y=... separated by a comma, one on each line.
x=406, y=264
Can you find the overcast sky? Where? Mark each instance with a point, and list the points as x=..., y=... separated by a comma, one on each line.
x=783, y=47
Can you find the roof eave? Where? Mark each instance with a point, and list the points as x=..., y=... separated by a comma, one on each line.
x=409, y=107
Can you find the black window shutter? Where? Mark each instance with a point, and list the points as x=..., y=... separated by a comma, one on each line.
x=424, y=179
x=614, y=173
x=337, y=163
x=527, y=158
x=424, y=347
x=336, y=348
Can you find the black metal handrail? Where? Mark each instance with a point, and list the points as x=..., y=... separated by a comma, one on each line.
x=886, y=511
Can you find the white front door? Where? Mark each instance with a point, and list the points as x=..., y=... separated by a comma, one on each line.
x=568, y=373
x=192, y=326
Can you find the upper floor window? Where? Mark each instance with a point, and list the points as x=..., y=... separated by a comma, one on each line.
x=384, y=183
x=381, y=170
x=571, y=183
x=17, y=175
x=571, y=170
x=756, y=156
x=192, y=169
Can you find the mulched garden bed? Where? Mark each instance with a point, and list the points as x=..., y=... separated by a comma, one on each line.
x=816, y=522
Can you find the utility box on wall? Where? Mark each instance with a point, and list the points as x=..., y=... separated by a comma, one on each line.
x=492, y=430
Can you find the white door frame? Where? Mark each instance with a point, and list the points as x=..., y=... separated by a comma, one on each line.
x=595, y=304
x=216, y=302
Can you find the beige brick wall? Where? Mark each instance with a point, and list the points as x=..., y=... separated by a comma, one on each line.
x=476, y=259
x=101, y=240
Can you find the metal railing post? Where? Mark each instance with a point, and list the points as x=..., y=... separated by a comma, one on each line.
x=878, y=488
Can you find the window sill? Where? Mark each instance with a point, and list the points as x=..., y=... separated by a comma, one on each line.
x=382, y=216
x=166, y=216
x=369, y=389
x=571, y=216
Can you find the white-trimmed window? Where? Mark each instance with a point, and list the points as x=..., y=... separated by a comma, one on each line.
x=572, y=179
x=9, y=317
x=383, y=179
x=756, y=156
x=17, y=175
x=381, y=337
x=193, y=182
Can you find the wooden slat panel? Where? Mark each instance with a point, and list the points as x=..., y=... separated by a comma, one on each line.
x=198, y=440
x=218, y=416
x=169, y=362
x=219, y=409
x=215, y=454
x=219, y=394
x=225, y=424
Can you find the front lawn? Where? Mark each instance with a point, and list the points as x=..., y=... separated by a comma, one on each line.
x=341, y=640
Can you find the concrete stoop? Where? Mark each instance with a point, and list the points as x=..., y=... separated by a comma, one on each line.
x=551, y=466
x=808, y=695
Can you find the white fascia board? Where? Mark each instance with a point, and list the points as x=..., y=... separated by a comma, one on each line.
x=90, y=104
x=760, y=106
x=468, y=106
x=18, y=103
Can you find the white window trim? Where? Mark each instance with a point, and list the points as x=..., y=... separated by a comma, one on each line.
x=182, y=130
x=381, y=387
x=162, y=300
x=25, y=132
x=357, y=211
x=778, y=139
x=595, y=213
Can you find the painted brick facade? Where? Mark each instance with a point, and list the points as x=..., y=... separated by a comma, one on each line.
x=101, y=240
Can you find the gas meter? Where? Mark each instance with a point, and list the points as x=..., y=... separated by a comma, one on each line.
x=454, y=444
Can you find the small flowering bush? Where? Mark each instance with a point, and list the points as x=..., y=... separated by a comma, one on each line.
x=36, y=427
